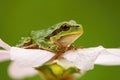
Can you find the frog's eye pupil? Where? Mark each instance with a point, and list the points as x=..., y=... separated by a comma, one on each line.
x=65, y=27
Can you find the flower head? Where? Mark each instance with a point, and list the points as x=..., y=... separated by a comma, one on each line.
x=25, y=61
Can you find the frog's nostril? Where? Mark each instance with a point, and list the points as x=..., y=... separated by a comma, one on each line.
x=77, y=26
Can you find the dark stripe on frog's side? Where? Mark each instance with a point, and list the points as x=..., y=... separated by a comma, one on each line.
x=53, y=33
x=64, y=27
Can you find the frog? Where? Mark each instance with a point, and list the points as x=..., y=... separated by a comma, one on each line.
x=58, y=38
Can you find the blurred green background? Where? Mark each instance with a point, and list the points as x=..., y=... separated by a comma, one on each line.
x=100, y=19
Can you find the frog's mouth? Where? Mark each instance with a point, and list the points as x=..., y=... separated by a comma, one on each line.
x=67, y=40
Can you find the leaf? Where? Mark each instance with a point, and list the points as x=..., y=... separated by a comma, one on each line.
x=70, y=71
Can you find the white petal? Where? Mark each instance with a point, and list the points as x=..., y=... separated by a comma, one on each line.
x=83, y=58
x=18, y=72
x=109, y=57
x=30, y=57
x=4, y=55
x=4, y=45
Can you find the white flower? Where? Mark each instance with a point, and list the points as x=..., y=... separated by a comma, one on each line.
x=24, y=60
x=15, y=71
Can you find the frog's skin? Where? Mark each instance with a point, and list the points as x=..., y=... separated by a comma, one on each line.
x=57, y=38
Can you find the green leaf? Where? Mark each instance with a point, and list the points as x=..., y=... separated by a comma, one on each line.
x=70, y=71
x=46, y=72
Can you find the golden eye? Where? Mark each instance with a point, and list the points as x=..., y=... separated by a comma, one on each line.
x=65, y=27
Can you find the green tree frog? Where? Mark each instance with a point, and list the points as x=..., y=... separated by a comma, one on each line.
x=57, y=38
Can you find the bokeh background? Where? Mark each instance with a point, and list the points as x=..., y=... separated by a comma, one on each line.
x=100, y=19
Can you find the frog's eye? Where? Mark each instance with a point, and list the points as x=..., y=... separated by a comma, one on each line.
x=65, y=27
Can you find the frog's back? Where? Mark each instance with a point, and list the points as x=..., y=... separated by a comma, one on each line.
x=40, y=34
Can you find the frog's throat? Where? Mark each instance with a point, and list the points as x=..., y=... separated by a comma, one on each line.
x=66, y=41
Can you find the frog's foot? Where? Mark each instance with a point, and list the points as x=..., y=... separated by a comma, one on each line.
x=71, y=47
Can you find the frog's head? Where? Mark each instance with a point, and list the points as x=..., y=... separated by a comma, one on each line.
x=65, y=33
